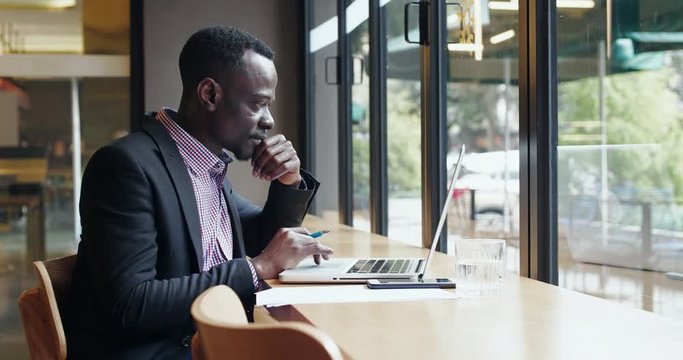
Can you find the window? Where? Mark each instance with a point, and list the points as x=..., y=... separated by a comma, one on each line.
x=483, y=114
x=404, y=147
x=323, y=49
x=620, y=189
x=359, y=43
x=59, y=105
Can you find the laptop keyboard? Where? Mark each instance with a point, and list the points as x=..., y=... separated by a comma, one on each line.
x=380, y=266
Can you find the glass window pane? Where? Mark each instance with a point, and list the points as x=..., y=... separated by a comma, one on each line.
x=483, y=115
x=403, y=128
x=37, y=148
x=620, y=188
x=360, y=113
x=324, y=98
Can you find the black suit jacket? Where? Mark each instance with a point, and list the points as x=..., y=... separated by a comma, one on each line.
x=140, y=255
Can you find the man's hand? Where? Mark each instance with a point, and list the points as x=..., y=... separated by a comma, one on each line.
x=287, y=248
x=275, y=158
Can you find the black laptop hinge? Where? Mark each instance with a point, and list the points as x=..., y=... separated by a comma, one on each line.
x=419, y=266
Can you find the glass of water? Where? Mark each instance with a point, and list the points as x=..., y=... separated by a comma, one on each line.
x=479, y=266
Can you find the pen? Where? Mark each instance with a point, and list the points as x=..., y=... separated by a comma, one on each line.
x=318, y=234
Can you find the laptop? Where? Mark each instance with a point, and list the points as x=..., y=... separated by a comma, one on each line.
x=355, y=270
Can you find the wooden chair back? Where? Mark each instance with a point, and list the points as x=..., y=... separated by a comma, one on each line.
x=223, y=332
x=41, y=308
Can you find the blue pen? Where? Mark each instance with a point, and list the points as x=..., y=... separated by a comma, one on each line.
x=318, y=234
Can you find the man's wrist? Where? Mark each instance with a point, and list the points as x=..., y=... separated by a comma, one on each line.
x=293, y=182
x=262, y=268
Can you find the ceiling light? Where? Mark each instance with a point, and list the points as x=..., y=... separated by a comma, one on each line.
x=505, y=35
x=561, y=4
x=503, y=5
x=465, y=47
x=576, y=4
x=453, y=20
x=37, y=4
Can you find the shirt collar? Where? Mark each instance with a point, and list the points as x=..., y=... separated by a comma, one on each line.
x=196, y=156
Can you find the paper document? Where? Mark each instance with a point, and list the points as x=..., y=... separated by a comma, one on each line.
x=344, y=293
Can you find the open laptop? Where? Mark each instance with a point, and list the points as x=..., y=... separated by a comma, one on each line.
x=355, y=270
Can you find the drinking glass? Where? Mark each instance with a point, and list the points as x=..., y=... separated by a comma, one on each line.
x=479, y=266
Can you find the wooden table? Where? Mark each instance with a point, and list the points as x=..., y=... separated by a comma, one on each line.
x=528, y=320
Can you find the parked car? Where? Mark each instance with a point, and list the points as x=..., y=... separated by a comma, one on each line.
x=493, y=177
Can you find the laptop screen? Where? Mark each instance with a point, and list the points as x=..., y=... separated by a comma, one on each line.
x=444, y=211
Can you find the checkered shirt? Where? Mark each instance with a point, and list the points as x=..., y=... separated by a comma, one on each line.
x=207, y=172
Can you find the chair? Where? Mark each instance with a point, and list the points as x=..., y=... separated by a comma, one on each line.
x=40, y=308
x=223, y=331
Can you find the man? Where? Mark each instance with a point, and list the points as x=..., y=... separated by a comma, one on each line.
x=161, y=223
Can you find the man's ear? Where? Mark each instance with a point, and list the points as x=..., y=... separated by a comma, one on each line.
x=209, y=93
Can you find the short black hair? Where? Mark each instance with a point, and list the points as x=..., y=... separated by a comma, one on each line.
x=216, y=51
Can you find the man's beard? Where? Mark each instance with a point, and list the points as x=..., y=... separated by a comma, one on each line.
x=241, y=156
x=245, y=152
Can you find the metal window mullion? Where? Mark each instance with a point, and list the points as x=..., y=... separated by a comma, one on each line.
x=345, y=77
x=524, y=205
x=538, y=140
x=307, y=129
x=378, y=119
x=137, y=61
x=433, y=102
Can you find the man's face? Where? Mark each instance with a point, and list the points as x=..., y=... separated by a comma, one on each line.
x=243, y=116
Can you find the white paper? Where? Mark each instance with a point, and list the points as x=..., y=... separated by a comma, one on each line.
x=285, y=295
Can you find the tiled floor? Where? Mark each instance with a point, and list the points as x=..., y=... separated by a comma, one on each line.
x=651, y=291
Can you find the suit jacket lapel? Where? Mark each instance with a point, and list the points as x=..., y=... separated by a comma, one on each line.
x=237, y=241
x=181, y=181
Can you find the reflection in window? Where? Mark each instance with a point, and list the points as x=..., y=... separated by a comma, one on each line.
x=483, y=114
x=620, y=188
x=38, y=153
x=360, y=124
x=403, y=129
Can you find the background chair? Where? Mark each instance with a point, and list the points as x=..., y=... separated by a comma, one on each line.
x=223, y=331
x=40, y=308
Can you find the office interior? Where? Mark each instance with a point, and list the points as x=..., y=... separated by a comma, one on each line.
x=570, y=116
